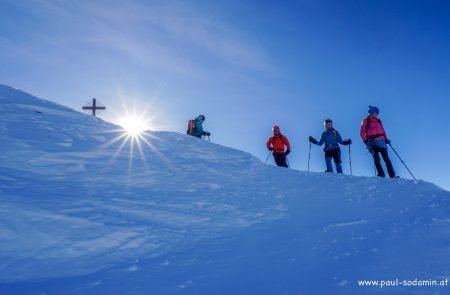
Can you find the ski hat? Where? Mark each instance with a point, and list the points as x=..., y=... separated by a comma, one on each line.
x=373, y=109
x=276, y=129
x=201, y=117
x=327, y=121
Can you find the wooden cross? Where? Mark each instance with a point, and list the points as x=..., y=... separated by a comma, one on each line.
x=94, y=107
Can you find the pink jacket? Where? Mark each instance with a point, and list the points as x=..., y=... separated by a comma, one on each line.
x=374, y=131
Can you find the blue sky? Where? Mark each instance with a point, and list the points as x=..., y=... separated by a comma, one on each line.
x=247, y=65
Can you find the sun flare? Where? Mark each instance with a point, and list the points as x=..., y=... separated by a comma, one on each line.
x=134, y=135
x=134, y=125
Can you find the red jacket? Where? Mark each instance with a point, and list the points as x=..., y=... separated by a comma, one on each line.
x=277, y=142
x=372, y=130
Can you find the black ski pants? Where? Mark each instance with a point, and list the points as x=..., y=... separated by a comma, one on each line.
x=280, y=159
x=376, y=151
x=334, y=154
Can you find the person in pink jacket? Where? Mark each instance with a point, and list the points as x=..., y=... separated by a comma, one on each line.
x=374, y=136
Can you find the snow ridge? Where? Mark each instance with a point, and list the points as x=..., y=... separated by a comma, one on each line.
x=81, y=205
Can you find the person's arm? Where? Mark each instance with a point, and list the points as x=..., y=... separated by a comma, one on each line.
x=362, y=132
x=384, y=131
x=199, y=126
x=339, y=137
x=269, y=144
x=322, y=139
x=286, y=142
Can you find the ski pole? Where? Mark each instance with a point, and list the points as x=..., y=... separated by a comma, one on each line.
x=268, y=157
x=374, y=165
x=309, y=156
x=209, y=139
x=350, y=157
x=287, y=162
x=402, y=161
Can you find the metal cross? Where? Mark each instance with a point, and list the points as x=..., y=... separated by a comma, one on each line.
x=94, y=107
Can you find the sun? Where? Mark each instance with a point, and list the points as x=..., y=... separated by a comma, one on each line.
x=134, y=125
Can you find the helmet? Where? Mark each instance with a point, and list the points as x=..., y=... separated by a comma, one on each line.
x=327, y=121
x=372, y=110
x=276, y=128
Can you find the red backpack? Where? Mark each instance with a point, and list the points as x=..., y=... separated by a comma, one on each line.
x=191, y=127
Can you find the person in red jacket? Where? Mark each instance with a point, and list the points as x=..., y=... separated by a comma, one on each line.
x=276, y=144
x=374, y=136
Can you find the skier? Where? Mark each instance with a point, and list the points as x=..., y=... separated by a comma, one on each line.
x=374, y=136
x=195, y=127
x=332, y=139
x=276, y=145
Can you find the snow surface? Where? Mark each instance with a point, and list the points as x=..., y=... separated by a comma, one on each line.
x=83, y=212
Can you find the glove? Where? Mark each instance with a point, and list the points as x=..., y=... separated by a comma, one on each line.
x=366, y=141
x=312, y=139
x=271, y=149
x=347, y=142
x=207, y=133
x=287, y=152
x=388, y=141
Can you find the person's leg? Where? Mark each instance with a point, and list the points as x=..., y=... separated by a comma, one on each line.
x=328, y=157
x=329, y=165
x=276, y=158
x=283, y=161
x=280, y=160
x=337, y=160
x=387, y=160
x=377, y=160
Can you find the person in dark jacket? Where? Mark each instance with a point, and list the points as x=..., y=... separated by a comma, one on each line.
x=195, y=127
x=374, y=136
x=332, y=139
x=276, y=144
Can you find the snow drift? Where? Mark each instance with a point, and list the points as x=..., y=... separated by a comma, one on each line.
x=84, y=211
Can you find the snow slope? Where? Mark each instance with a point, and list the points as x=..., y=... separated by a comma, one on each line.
x=84, y=212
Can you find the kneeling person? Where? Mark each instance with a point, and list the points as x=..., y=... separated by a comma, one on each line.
x=195, y=127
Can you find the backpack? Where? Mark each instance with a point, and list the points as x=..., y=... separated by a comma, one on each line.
x=192, y=128
x=367, y=128
x=369, y=122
